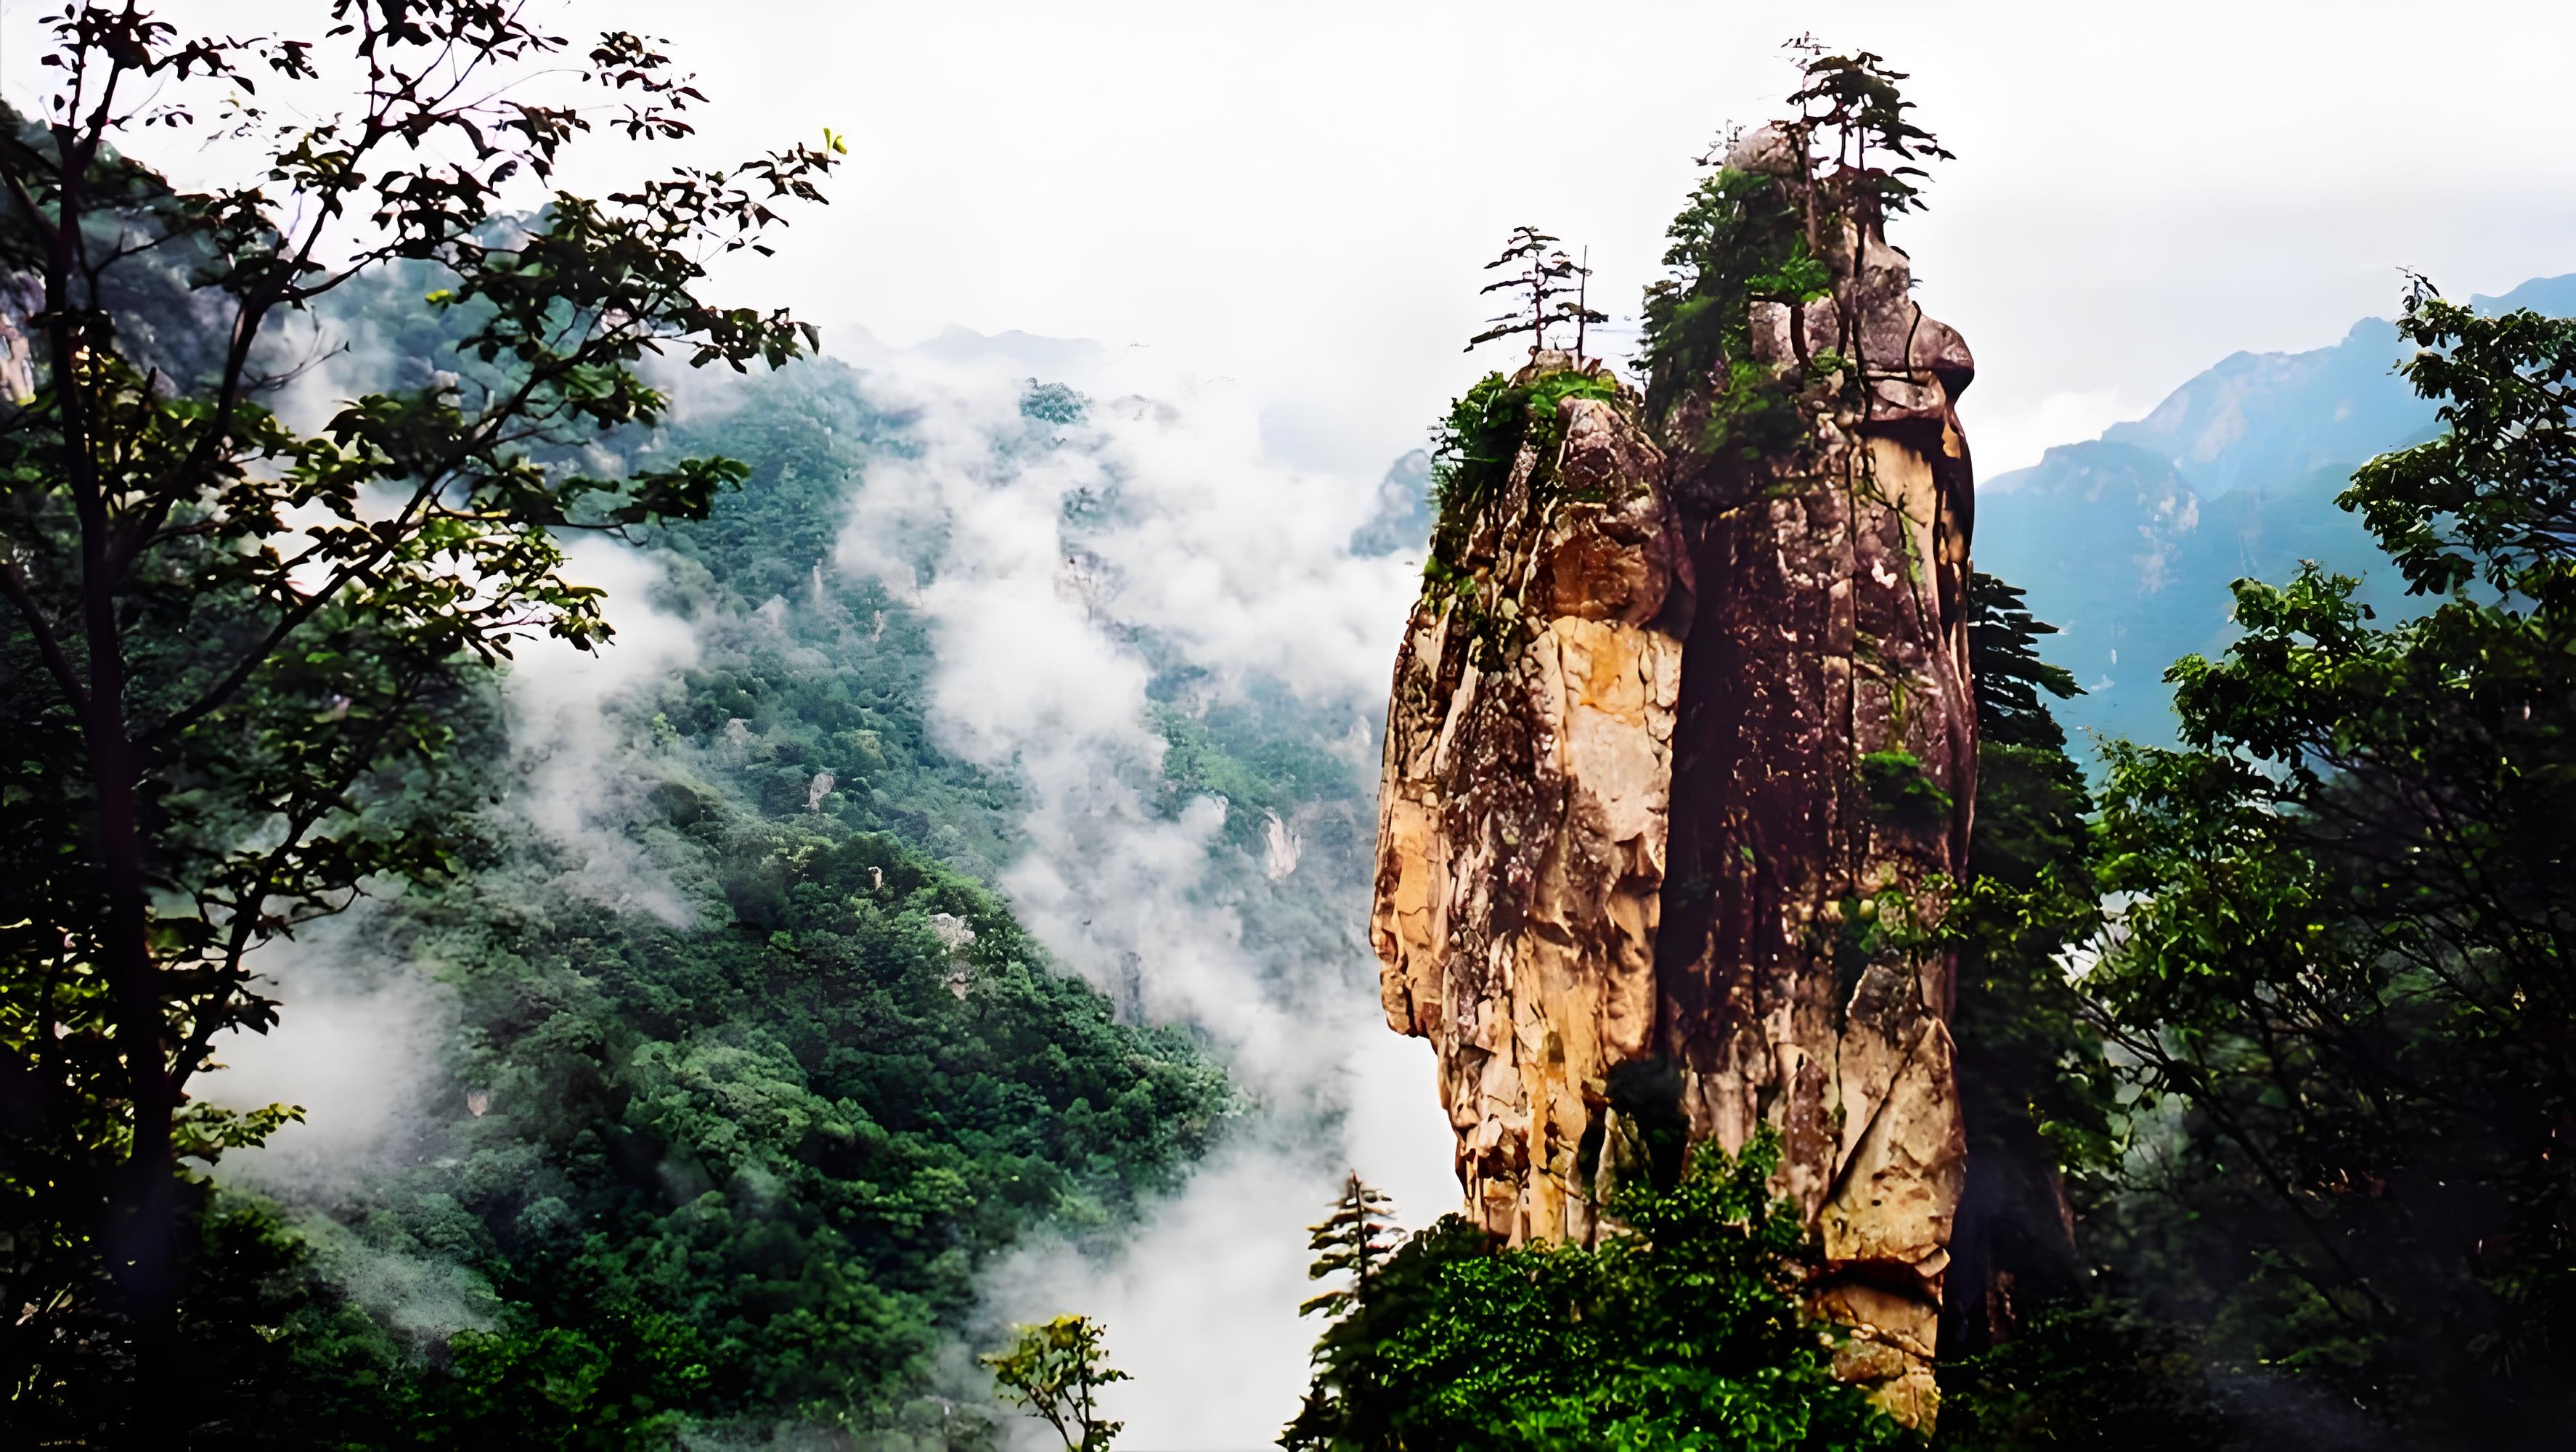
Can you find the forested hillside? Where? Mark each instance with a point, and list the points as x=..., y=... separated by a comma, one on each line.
x=745, y=1166
x=741, y=1071
x=785, y=1132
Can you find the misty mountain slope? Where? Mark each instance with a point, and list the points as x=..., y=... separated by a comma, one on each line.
x=727, y=1125
x=2128, y=542
x=2258, y=417
x=1160, y=636
x=1402, y=521
x=2133, y=565
x=730, y=1068
x=796, y=675
x=785, y=1136
x=818, y=650
x=803, y=981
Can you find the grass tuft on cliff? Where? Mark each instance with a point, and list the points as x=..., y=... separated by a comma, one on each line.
x=1474, y=447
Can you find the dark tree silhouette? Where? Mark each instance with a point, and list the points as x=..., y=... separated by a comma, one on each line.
x=170, y=811
x=1545, y=276
x=1854, y=100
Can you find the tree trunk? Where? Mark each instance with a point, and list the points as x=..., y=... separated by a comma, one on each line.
x=142, y=1209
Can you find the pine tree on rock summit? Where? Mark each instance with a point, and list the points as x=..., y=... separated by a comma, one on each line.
x=1545, y=276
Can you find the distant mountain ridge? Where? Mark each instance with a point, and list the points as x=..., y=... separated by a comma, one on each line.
x=2128, y=542
x=2258, y=416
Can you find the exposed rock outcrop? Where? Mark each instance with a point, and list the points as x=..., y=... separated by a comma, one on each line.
x=1522, y=817
x=1672, y=841
x=1823, y=781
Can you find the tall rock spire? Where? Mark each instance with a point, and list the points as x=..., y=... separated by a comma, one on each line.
x=1824, y=775
x=1522, y=814
x=1681, y=762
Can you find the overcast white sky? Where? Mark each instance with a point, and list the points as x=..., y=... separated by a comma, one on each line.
x=1300, y=196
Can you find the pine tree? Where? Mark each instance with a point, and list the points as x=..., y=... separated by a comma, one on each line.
x=2033, y=1082
x=1355, y=1239
x=1546, y=276
x=1852, y=102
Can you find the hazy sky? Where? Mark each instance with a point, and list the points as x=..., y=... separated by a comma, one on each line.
x=1300, y=196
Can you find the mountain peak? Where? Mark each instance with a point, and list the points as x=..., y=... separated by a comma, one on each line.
x=2128, y=542
x=2555, y=296
x=2266, y=418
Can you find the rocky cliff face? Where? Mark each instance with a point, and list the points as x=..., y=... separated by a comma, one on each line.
x=1523, y=812
x=1823, y=780
x=1678, y=760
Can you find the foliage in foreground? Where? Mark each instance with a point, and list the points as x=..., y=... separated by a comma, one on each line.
x=2082, y=1374
x=1055, y=1370
x=2328, y=952
x=1685, y=1331
x=2342, y=959
x=234, y=645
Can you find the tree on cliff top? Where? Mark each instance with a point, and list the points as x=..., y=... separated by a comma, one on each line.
x=1756, y=230
x=1853, y=102
x=1545, y=277
x=228, y=639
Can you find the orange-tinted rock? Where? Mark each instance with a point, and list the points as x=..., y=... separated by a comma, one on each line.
x=1522, y=827
x=1706, y=831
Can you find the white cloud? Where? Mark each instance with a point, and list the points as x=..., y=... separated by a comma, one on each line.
x=1049, y=562
x=1201, y=1307
x=1229, y=557
x=580, y=773
x=1301, y=194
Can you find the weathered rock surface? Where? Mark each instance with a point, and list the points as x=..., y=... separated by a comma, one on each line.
x=1823, y=781
x=1522, y=817
x=1704, y=831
